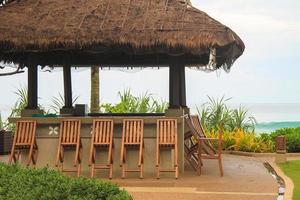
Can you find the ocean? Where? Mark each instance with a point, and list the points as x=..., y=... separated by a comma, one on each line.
x=268, y=127
x=271, y=116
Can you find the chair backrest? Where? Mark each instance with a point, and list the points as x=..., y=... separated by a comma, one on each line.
x=167, y=131
x=193, y=131
x=102, y=132
x=25, y=132
x=133, y=131
x=198, y=133
x=70, y=131
x=197, y=124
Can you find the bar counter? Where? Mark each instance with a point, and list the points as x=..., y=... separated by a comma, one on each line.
x=47, y=135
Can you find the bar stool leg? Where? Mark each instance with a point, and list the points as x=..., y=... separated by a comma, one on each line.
x=176, y=162
x=92, y=160
x=92, y=170
x=30, y=156
x=141, y=160
x=110, y=154
x=157, y=162
x=12, y=154
x=123, y=163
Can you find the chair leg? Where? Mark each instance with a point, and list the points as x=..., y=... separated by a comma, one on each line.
x=199, y=158
x=176, y=161
x=221, y=166
x=79, y=161
x=92, y=161
x=92, y=170
x=58, y=156
x=76, y=159
x=12, y=155
x=111, y=171
x=123, y=162
x=141, y=171
x=158, y=162
x=18, y=156
x=111, y=162
x=141, y=155
x=35, y=154
x=30, y=155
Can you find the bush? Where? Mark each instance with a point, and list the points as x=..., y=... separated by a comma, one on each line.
x=292, y=138
x=240, y=140
x=215, y=111
x=43, y=184
x=132, y=104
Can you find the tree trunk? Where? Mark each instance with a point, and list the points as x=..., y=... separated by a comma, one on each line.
x=95, y=89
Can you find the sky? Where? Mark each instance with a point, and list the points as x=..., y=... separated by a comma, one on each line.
x=267, y=73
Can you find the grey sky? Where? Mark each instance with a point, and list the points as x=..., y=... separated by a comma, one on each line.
x=268, y=71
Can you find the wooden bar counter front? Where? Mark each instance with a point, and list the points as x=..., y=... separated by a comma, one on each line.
x=47, y=136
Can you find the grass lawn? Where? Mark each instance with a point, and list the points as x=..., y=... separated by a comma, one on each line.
x=292, y=169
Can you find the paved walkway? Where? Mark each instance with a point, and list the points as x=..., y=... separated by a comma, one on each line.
x=245, y=179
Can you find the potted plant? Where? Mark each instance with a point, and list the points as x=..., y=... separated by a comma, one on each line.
x=6, y=139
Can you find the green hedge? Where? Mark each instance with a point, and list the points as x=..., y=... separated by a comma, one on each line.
x=292, y=138
x=43, y=184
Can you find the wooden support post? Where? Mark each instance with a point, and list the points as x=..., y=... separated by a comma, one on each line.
x=68, y=87
x=177, y=90
x=32, y=88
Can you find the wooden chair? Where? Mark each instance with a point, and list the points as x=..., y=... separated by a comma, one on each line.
x=191, y=148
x=205, y=148
x=167, y=139
x=102, y=137
x=24, y=140
x=69, y=139
x=132, y=137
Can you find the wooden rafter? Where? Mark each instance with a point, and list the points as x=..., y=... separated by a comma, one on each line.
x=146, y=15
x=105, y=15
x=164, y=14
x=126, y=14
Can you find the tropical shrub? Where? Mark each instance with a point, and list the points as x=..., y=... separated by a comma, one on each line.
x=239, y=140
x=292, y=138
x=215, y=111
x=24, y=183
x=131, y=104
x=59, y=102
x=20, y=103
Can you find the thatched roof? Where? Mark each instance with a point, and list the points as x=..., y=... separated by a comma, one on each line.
x=133, y=27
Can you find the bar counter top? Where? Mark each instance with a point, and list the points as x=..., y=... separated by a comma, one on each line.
x=89, y=120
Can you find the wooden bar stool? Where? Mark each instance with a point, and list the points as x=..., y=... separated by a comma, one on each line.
x=24, y=140
x=167, y=139
x=69, y=139
x=102, y=137
x=132, y=137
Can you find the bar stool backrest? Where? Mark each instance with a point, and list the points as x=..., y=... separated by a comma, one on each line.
x=25, y=132
x=102, y=131
x=70, y=131
x=133, y=130
x=167, y=131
